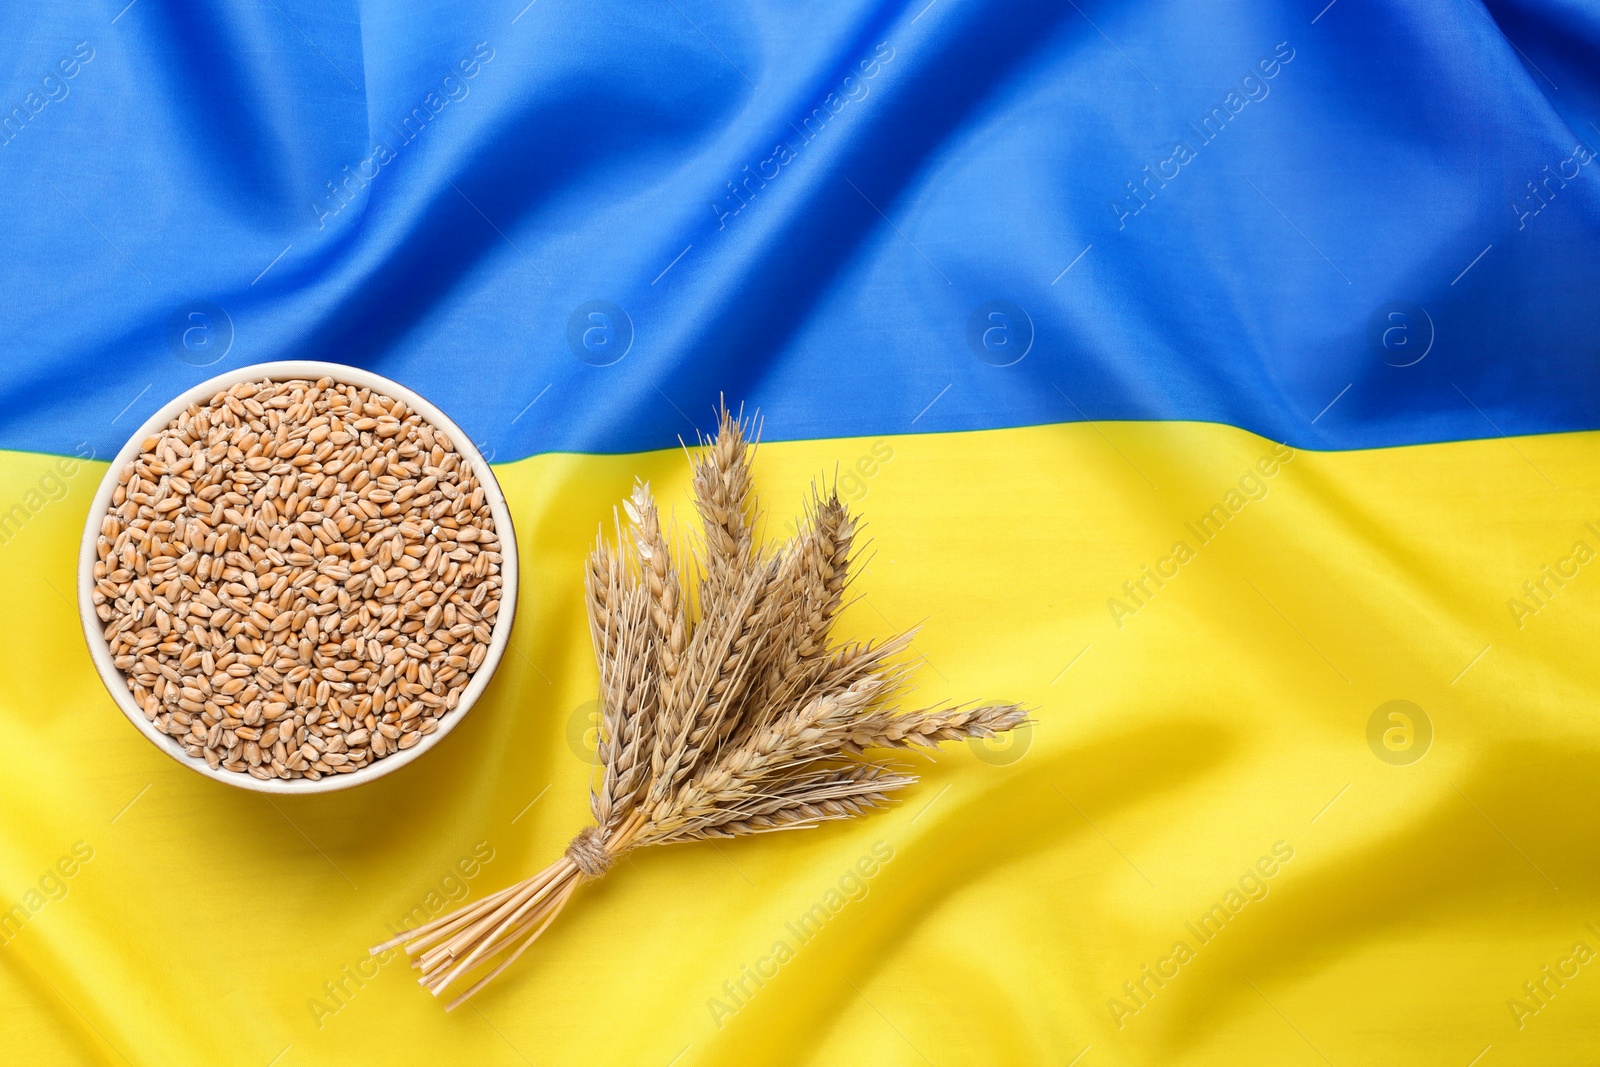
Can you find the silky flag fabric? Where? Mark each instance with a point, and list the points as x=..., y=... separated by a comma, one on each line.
x=1218, y=379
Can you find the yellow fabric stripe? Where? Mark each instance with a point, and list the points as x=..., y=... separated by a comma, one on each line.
x=1201, y=750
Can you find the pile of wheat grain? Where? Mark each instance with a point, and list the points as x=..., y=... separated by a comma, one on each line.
x=297, y=578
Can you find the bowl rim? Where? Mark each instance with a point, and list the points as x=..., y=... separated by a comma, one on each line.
x=278, y=370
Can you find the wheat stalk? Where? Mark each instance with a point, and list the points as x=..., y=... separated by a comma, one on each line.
x=738, y=718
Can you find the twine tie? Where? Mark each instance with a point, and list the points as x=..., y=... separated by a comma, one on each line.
x=588, y=852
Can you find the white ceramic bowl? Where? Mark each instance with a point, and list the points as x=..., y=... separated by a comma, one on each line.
x=116, y=682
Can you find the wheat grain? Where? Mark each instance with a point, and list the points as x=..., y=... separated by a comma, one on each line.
x=297, y=578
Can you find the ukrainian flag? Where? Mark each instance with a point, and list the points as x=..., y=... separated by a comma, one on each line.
x=1218, y=379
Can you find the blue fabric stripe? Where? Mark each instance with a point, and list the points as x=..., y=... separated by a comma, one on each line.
x=1350, y=226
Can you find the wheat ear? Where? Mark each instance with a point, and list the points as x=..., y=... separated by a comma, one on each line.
x=741, y=717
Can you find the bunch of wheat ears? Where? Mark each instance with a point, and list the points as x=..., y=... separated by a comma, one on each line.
x=737, y=718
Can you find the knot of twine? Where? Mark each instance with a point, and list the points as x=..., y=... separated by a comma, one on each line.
x=588, y=852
